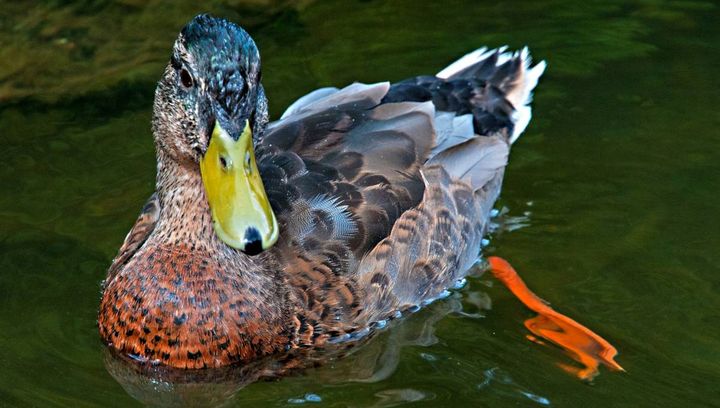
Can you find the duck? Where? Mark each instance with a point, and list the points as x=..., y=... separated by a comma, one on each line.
x=357, y=205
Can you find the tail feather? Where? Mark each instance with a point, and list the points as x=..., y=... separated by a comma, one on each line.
x=511, y=72
x=465, y=61
x=464, y=155
x=476, y=161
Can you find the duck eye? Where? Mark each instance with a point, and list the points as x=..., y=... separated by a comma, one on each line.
x=186, y=78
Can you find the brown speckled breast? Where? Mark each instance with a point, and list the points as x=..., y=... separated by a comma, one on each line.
x=178, y=308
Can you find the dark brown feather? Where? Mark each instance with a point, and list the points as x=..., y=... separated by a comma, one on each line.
x=139, y=232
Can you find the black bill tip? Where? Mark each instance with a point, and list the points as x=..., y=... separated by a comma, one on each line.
x=253, y=242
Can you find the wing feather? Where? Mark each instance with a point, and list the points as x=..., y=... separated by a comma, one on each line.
x=384, y=192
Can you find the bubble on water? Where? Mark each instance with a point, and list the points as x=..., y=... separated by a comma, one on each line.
x=393, y=397
x=536, y=398
x=459, y=284
x=428, y=357
x=501, y=382
x=309, y=397
x=312, y=398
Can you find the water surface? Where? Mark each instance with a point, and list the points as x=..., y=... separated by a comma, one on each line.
x=614, y=188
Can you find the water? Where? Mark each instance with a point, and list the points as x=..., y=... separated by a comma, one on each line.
x=611, y=193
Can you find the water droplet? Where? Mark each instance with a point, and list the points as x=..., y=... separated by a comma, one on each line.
x=460, y=283
x=309, y=397
x=536, y=398
x=428, y=357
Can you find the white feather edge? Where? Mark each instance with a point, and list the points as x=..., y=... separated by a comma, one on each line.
x=307, y=100
x=464, y=62
x=521, y=98
x=325, y=98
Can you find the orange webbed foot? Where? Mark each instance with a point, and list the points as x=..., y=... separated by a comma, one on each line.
x=579, y=342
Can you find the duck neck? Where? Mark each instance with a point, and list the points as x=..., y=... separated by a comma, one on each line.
x=185, y=222
x=185, y=217
x=185, y=226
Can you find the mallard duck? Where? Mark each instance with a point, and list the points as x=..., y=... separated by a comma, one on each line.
x=356, y=205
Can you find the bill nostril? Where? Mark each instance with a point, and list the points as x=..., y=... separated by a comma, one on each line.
x=253, y=241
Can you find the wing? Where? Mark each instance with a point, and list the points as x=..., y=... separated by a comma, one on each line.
x=341, y=166
x=137, y=236
x=344, y=168
x=432, y=245
x=373, y=183
x=339, y=171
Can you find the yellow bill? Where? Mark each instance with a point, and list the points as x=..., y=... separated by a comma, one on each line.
x=241, y=213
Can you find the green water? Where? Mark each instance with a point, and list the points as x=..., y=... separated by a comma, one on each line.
x=614, y=185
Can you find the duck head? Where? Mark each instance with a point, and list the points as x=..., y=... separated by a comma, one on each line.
x=210, y=106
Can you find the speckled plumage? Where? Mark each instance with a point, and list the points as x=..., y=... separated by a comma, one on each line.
x=382, y=193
